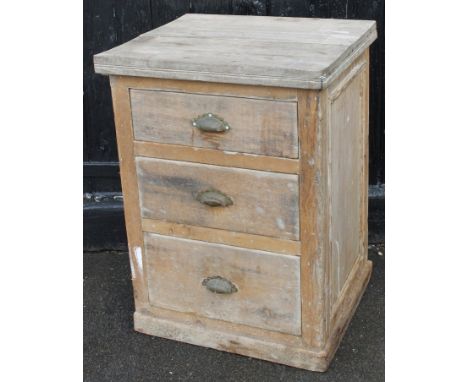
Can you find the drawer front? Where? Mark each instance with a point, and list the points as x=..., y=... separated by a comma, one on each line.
x=255, y=288
x=255, y=126
x=255, y=202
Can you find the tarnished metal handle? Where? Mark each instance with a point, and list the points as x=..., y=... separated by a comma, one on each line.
x=210, y=123
x=214, y=198
x=220, y=285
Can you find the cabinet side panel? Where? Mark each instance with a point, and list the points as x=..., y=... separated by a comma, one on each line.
x=347, y=170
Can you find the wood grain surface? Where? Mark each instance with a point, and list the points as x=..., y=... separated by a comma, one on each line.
x=216, y=157
x=268, y=288
x=123, y=126
x=346, y=165
x=237, y=239
x=289, y=240
x=273, y=51
x=256, y=126
x=263, y=203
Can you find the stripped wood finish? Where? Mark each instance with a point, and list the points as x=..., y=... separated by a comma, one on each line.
x=236, y=239
x=261, y=52
x=347, y=158
x=216, y=157
x=255, y=126
x=254, y=246
x=364, y=234
x=279, y=29
x=262, y=203
x=310, y=259
x=122, y=115
x=213, y=88
x=241, y=330
x=267, y=288
x=269, y=347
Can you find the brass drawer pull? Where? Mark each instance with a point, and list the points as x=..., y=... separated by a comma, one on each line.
x=220, y=285
x=210, y=123
x=214, y=198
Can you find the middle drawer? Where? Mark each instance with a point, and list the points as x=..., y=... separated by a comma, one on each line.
x=250, y=201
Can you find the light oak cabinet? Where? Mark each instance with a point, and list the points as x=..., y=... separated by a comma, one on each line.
x=243, y=145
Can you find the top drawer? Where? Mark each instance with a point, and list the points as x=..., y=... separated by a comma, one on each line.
x=265, y=127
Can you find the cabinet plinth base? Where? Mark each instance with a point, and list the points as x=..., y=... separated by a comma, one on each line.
x=301, y=357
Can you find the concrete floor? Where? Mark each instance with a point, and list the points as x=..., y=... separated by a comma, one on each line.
x=114, y=352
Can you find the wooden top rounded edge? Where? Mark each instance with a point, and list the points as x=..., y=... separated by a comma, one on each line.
x=313, y=80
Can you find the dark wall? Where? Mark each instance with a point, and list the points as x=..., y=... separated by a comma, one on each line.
x=108, y=23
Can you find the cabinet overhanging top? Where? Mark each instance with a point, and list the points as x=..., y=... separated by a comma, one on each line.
x=253, y=50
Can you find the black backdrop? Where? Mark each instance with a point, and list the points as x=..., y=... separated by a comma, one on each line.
x=108, y=23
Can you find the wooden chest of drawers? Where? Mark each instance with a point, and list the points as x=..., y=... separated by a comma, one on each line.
x=243, y=151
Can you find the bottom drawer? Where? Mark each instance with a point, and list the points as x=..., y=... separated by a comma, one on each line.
x=255, y=288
